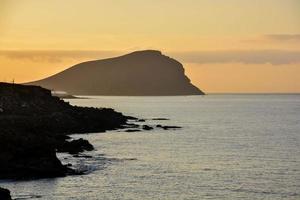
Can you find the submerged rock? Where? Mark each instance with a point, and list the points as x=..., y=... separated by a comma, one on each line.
x=132, y=130
x=160, y=119
x=147, y=128
x=167, y=127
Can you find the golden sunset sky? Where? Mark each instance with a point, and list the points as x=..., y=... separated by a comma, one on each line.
x=226, y=46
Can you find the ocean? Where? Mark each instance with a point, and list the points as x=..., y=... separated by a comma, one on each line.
x=229, y=147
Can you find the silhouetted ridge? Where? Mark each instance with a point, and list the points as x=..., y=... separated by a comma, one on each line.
x=145, y=53
x=139, y=73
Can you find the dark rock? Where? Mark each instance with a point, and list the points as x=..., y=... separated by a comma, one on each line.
x=127, y=75
x=131, y=118
x=24, y=155
x=167, y=127
x=130, y=159
x=147, y=128
x=141, y=120
x=160, y=119
x=75, y=146
x=33, y=124
x=132, y=130
x=4, y=194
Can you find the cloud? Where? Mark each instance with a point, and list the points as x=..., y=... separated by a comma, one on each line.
x=274, y=57
x=283, y=37
x=55, y=56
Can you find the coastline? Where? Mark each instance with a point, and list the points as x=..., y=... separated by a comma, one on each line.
x=35, y=125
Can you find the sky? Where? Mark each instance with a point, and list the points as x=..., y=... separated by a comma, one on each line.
x=226, y=46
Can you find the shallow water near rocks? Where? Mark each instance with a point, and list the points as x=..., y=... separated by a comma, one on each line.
x=230, y=147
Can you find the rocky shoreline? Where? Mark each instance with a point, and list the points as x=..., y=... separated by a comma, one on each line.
x=34, y=125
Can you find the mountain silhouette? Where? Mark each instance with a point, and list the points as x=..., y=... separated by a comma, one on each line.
x=141, y=73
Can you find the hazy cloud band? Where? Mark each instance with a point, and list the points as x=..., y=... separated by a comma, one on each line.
x=283, y=37
x=274, y=57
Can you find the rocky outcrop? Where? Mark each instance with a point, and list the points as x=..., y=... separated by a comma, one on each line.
x=167, y=127
x=4, y=194
x=147, y=128
x=34, y=125
x=141, y=73
x=75, y=146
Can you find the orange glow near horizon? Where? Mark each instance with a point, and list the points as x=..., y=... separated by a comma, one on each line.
x=237, y=78
x=41, y=38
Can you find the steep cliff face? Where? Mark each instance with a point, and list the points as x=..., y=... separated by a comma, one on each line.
x=139, y=73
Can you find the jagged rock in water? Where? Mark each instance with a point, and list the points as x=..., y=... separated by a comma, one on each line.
x=147, y=128
x=167, y=127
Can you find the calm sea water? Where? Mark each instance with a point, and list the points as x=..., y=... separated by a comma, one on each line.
x=230, y=147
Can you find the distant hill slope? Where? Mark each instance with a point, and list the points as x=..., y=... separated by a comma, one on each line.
x=141, y=73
